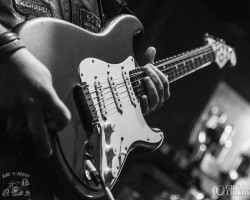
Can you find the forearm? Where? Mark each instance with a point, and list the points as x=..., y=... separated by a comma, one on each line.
x=9, y=43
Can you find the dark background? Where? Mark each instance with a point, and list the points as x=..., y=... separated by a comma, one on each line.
x=173, y=27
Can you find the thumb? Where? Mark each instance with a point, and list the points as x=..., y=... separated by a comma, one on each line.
x=149, y=55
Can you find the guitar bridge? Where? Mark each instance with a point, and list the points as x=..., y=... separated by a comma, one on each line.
x=85, y=105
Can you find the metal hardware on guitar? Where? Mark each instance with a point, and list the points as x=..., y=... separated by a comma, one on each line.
x=97, y=178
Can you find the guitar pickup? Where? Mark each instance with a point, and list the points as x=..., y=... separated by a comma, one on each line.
x=101, y=99
x=129, y=87
x=85, y=105
x=115, y=93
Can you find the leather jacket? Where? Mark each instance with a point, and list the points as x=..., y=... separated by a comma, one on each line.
x=88, y=14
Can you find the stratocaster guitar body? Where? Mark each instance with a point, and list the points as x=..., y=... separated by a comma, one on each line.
x=79, y=60
x=96, y=77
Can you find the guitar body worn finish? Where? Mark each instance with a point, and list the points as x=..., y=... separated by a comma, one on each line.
x=122, y=129
x=68, y=52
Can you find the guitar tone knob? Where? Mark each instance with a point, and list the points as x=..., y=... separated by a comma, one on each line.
x=109, y=174
x=111, y=151
x=109, y=128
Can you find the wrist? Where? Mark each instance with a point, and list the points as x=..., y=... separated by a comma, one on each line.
x=9, y=43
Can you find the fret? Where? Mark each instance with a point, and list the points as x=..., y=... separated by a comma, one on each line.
x=206, y=57
x=189, y=66
x=175, y=68
x=163, y=67
x=198, y=60
x=212, y=56
x=136, y=77
x=141, y=76
x=183, y=64
x=179, y=66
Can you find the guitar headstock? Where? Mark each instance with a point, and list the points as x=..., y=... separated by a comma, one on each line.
x=223, y=52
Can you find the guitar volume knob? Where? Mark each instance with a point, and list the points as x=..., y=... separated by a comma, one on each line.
x=111, y=151
x=109, y=174
x=109, y=127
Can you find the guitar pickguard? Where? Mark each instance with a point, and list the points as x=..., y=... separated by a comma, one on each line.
x=123, y=127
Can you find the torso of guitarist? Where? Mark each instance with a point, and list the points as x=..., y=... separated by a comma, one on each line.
x=18, y=176
x=14, y=158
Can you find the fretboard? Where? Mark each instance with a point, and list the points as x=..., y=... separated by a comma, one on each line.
x=175, y=67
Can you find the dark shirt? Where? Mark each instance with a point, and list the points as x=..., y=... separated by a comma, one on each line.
x=16, y=156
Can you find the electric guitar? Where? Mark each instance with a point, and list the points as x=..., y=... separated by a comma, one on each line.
x=96, y=77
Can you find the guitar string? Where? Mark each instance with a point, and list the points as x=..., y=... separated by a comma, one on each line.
x=113, y=102
x=185, y=55
x=181, y=57
x=115, y=107
x=174, y=75
x=122, y=84
x=99, y=109
x=122, y=103
x=139, y=73
x=139, y=89
x=123, y=97
x=109, y=114
x=136, y=89
x=111, y=97
x=116, y=111
x=123, y=106
x=111, y=105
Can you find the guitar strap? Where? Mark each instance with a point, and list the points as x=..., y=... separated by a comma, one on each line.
x=113, y=8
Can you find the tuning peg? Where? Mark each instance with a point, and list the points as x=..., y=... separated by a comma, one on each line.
x=208, y=38
x=222, y=41
x=230, y=49
x=206, y=35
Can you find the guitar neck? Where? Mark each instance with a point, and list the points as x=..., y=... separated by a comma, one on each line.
x=176, y=67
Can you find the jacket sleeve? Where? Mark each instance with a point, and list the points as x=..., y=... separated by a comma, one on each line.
x=2, y=29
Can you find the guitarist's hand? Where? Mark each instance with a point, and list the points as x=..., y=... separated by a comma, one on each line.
x=28, y=98
x=156, y=83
